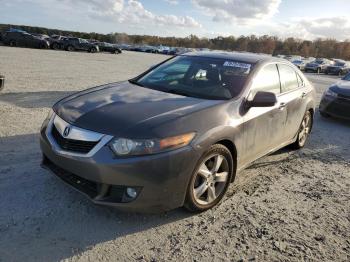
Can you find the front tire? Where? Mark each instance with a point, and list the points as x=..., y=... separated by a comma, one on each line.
x=70, y=48
x=55, y=46
x=92, y=50
x=304, y=131
x=13, y=43
x=210, y=180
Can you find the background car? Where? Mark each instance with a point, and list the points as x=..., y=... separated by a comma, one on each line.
x=336, y=100
x=299, y=64
x=318, y=66
x=107, y=47
x=56, y=41
x=24, y=39
x=79, y=44
x=340, y=67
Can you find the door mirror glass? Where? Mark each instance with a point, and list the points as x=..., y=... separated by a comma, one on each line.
x=263, y=99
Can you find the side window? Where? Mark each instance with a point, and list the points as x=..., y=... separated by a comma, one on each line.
x=289, y=79
x=267, y=80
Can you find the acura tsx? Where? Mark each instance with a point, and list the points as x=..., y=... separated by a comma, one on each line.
x=177, y=134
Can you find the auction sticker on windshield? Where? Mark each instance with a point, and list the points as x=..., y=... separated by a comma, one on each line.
x=246, y=67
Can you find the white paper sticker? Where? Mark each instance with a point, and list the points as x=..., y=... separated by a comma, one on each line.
x=237, y=64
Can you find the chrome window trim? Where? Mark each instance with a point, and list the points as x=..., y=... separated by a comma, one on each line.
x=78, y=134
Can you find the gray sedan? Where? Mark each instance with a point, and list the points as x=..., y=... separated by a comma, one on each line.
x=177, y=134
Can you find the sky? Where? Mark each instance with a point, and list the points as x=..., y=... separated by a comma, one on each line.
x=305, y=19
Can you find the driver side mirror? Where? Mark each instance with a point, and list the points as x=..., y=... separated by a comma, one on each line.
x=263, y=99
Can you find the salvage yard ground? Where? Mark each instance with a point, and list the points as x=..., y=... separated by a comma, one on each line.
x=289, y=206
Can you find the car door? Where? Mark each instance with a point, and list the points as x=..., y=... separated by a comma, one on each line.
x=84, y=44
x=20, y=39
x=292, y=97
x=263, y=126
x=29, y=41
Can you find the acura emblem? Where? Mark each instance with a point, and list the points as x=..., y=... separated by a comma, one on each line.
x=66, y=131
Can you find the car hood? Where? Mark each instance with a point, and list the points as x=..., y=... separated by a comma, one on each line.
x=342, y=87
x=115, y=108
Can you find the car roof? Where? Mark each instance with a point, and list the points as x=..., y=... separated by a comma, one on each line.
x=238, y=56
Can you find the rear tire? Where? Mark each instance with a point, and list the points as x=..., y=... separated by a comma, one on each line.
x=304, y=131
x=210, y=180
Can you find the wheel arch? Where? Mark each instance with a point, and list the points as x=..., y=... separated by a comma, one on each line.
x=233, y=150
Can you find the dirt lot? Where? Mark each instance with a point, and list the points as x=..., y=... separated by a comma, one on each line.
x=290, y=206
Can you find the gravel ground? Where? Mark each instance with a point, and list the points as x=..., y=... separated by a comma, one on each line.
x=289, y=206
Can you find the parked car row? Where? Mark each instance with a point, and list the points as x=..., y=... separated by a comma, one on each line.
x=320, y=65
x=24, y=39
x=166, y=50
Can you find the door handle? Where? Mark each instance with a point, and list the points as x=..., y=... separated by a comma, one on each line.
x=303, y=95
x=282, y=106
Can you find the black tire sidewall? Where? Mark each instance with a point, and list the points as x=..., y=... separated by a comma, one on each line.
x=190, y=202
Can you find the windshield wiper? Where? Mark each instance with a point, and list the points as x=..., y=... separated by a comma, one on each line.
x=134, y=82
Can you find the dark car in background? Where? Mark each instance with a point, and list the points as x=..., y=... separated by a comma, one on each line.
x=339, y=68
x=79, y=44
x=336, y=100
x=24, y=39
x=177, y=134
x=57, y=41
x=318, y=66
x=107, y=47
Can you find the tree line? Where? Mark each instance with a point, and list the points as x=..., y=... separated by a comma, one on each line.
x=329, y=48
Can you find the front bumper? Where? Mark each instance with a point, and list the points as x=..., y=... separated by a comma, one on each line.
x=161, y=180
x=337, y=107
x=333, y=71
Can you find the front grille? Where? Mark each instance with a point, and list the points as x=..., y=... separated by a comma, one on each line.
x=77, y=146
x=114, y=194
x=339, y=108
x=344, y=97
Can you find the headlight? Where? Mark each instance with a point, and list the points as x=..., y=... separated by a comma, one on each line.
x=125, y=147
x=331, y=93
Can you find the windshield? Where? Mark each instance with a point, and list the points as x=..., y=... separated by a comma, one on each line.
x=319, y=61
x=297, y=62
x=202, y=77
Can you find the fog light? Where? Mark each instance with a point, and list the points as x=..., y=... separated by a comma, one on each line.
x=131, y=192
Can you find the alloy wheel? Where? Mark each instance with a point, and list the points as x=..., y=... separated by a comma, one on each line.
x=304, y=129
x=211, y=179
